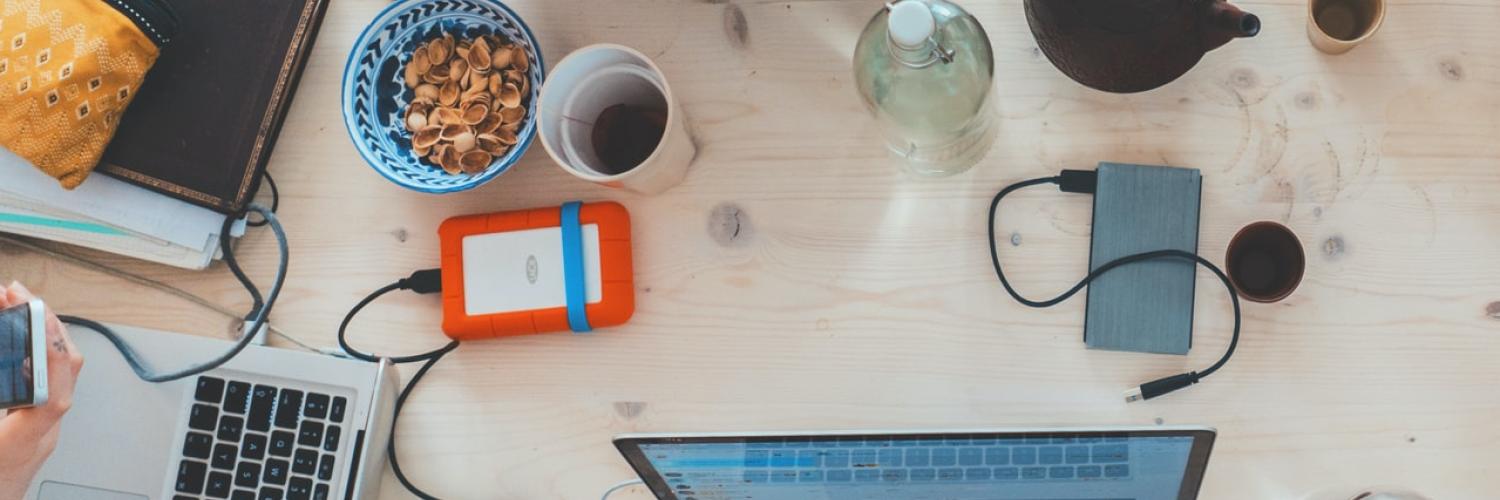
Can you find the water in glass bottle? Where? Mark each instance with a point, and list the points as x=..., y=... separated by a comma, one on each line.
x=924, y=70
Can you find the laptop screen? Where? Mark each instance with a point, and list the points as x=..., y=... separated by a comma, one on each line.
x=1036, y=466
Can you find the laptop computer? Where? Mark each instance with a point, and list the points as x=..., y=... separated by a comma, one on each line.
x=1155, y=463
x=271, y=424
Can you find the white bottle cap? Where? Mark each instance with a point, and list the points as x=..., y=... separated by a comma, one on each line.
x=910, y=24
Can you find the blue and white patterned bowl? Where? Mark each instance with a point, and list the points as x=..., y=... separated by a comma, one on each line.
x=375, y=97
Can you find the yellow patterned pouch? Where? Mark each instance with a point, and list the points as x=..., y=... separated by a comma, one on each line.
x=68, y=69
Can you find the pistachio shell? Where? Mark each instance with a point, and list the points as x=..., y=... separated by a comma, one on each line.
x=448, y=95
x=511, y=127
x=512, y=115
x=437, y=75
x=427, y=91
x=475, y=113
x=464, y=142
x=411, y=76
x=426, y=137
x=451, y=163
x=475, y=161
x=438, y=51
x=491, y=122
x=479, y=59
x=510, y=96
x=458, y=67
x=448, y=115
x=421, y=151
x=434, y=117
x=506, y=135
x=462, y=51
x=453, y=130
x=518, y=59
x=489, y=143
x=500, y=58
x=420, y=59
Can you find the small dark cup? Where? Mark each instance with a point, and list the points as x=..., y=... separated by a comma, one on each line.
x=1265, y=261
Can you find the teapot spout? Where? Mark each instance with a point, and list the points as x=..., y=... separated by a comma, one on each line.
x=1222, y=22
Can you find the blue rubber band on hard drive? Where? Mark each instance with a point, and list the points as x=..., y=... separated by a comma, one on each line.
x=577, y=294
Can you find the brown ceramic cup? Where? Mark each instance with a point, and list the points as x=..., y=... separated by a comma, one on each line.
x=1265, y=261
x=1335, y=26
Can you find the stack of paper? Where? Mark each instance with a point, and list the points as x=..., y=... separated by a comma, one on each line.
x=108, y=214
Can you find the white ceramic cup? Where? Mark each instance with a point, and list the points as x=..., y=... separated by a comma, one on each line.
x=596, y=77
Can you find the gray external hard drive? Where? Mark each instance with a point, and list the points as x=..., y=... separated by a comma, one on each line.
x=1144, y=306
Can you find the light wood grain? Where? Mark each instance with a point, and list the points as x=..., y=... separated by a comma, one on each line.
x=851, y=296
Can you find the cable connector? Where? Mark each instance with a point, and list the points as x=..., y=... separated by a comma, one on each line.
x=1161, y=386
x=1078, y=181
x=423, y=282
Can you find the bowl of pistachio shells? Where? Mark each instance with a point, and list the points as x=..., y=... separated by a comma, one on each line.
x=440, y=96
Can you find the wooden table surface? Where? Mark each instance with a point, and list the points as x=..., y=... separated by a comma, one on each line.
x=797, y=280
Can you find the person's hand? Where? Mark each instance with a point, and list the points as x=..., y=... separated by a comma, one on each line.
x=28, y=435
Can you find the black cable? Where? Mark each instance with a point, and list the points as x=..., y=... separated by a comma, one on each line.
x=257, y=317
x=422, y=282
x=390, y=450
x=275, y=200
x=1072, y=182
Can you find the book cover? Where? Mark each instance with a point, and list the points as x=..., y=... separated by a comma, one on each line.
x=202, y=126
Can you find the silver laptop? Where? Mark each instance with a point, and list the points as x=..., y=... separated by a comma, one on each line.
x=270, y=424
x=1155, y=463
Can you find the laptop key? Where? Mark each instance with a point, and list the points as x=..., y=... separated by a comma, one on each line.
x=1116, y=470
x=950, y=474
x=316, y=406
x=269, y=493
x=190, y=476
x=262, y=398
x=311, y=434
x=236, y=398
x=1062, y=472
x=242, y=495
x=224, y=455
x=282, y=442
x=320, y=492
x=198, y=445
x=305, y=461
x=288, y=408
x=210, y=389
x=1050, y=455
x=325, y=468
x=1034, y=473
x=203, y=417
x=336, y=410
x=970, y=456
x=1007, y=473
x=230, y=428
x=1089, y=471
x=1111, y=453
x=331, y=438
x=218, y=485
x=300, y=488
x=276, y=471
x=254, y=446
x=247, y=475
x=1077, y=454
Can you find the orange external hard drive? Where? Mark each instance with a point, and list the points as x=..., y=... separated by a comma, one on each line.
x=537, y=271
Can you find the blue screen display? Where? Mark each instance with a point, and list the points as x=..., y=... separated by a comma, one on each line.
x=1041, y=467
x=15, y=356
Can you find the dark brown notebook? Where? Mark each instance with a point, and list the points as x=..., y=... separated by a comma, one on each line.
x=202, y=126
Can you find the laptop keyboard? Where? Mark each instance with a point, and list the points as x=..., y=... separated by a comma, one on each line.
x=937, y=460
x=259, y=442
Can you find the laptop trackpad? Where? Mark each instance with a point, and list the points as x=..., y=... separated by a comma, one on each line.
x=52, y=490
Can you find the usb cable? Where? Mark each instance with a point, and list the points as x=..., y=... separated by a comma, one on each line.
x=1085, y=181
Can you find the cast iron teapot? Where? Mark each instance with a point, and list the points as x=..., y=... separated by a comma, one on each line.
x=1133, y=45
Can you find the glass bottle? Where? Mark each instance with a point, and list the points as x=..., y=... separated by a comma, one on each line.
x=924, y=70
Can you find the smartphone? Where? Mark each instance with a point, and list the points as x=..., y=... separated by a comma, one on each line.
x=23, y=355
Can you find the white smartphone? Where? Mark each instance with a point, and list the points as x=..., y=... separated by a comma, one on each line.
x=23, y=355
